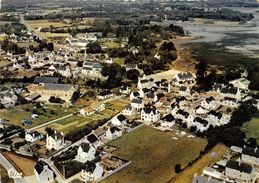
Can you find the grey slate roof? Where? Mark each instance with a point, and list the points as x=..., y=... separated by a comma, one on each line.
x=89, y=166
x=53, y=86
x=39, y=79
x=251, y=151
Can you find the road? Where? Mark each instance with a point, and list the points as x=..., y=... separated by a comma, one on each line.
x=8, y=166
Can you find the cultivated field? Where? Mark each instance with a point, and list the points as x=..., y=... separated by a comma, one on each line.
x=35, y=24
x=23, y=164
x=154, y=155
x=187, y=175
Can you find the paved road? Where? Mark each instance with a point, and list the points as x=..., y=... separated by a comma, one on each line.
x=7, y=165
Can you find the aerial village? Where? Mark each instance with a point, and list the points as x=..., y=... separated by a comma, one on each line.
x=68, y=128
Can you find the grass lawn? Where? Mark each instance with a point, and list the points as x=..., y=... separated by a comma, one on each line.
x=154, y=155
x=70, y=119
x=25, y=165
x=119, y=61
x=187, y=175
x=19, y=113
x=252, y=128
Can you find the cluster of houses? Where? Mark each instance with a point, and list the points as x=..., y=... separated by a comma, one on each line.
x=155, y=105
x=239, y=165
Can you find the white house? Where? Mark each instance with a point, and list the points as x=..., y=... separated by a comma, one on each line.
x=85, y=152
x=199, y=110
x=184, y=116
x=128, y=111
x=137, y=104
x=138, y=94
x=113, y=133
x=43, y=173
x=91, y=171
x=201, y=124
x=230, y=102
x=105, y=95
x=33, y=136
x=209, y=103
x=55, y=141
x=64, y=70
x=230, y=92
x=150, y=115
x=145, y=83
x=125, y=90
x=168, y=121
x=241, y=83
x=217, y=119
x=184, y=91
x=239, y=171
x=94, y=140
x=92, y=70
x=119, y=120
x=183, y=77
x=92, y=108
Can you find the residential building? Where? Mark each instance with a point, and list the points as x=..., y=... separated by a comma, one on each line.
x=119, y=120
x=129, y=111
x=236, y=170
x=92, y=171
x=241, y=83
x=230, y=102
x=185, y=117
x=217, y=118
x=184, y=91
x=43, y=172
x=209, y=103
x=250, y=155
x=105, y=95
x=145, y=83
x=55, y=141
x=85, y=152
x=33, y=136
x=168, y=121
x=137, y=104
x=201, y=124
x=113, y=133
x=150, y=115
x=184, y=77
x=230, y=92
x=92, y=70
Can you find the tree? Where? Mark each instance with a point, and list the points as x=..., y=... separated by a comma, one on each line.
x=177, y=168
x=22, y=134
x=94, y=47
x=49, y=131
x=133, y=74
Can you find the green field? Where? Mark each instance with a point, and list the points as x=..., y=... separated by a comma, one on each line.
x=252, y=128
x=22, y=112
x=154, y=155
x=71, y=119
x=119, y=61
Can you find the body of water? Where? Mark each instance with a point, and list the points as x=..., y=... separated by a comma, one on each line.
x=234, y=36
